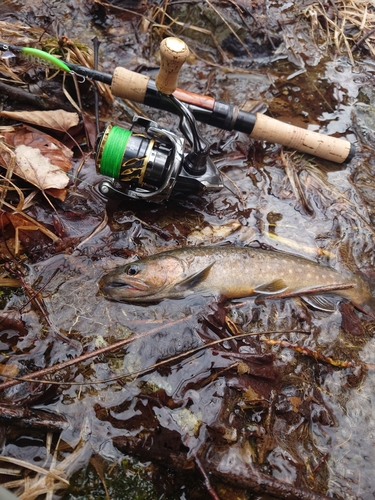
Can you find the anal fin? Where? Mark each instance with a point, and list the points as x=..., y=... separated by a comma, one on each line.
x=321, y=302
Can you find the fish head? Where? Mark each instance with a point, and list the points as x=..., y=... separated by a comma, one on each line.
x=146, y=280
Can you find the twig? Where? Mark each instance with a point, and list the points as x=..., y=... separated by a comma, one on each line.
x=363, y=38
x=83, y=357
x=35, y=468
x=312, y=354
x=33, y=99
x=206, y=479
x=97, y=230
x=256, y=481
x=35, y=376
x=292, y=174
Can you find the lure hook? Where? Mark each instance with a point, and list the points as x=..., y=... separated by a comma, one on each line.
x=73, y=73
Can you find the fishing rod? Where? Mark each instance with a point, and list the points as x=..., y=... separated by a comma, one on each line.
x=157, y=162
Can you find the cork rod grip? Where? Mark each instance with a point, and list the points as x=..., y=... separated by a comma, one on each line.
x=324, y=146
x=173, y=54
x=129, y=85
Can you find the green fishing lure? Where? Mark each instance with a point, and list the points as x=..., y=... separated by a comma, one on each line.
x=45, y=56
x=51, y=60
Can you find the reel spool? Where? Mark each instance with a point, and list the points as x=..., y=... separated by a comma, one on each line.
x=146, y=166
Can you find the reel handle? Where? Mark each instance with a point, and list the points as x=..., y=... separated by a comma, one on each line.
x=133, y=86
x=173, y=54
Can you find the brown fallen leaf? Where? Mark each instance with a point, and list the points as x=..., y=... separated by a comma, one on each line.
x=10, y=282
x=22, y=221
x=212, y=234
x=38, y=169
x=59, y=154
x=24, y=227
x=10, y=369
x=60, y=194
x=40, y=159
x=56, y=119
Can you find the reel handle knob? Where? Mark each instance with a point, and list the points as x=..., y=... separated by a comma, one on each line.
x=173, y=53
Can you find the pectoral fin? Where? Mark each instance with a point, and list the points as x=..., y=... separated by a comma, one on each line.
x=272, y=288
x=322, y=302
x=193, y=280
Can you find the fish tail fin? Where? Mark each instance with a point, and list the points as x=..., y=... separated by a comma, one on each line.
x=368, y=307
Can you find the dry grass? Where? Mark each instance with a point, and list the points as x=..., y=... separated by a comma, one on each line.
x=348, y=24
x=30, y=481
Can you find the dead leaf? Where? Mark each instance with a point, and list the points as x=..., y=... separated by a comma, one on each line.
x=4, y=220
x=19, y=221
x=230, y=434
x=38, y=169
x=211, y=234
x=296, y=402
x=55, y=120
x=26, y=231
x=242, y=368
x=60, y=194
x=251, y=395
x=11, y=370
x=59, y=154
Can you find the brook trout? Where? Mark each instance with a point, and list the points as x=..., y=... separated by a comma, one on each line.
x=234, y=272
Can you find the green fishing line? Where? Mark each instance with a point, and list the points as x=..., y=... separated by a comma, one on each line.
x=113, y=151
x=40, y=54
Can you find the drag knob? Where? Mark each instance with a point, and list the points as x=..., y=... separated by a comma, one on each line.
x=173, y=54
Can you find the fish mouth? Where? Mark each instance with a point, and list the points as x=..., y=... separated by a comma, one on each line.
x=130, y=284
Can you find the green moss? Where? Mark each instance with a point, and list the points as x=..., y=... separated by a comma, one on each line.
x=130, y=480
x=6, y=294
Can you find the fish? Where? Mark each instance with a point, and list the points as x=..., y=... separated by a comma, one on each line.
x=235, y=272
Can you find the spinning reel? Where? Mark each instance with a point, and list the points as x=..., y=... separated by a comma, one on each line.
x=151, y=163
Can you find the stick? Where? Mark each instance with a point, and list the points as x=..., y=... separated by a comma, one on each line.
x=84, y=357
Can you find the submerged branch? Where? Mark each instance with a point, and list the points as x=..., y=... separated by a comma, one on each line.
x=38, y=101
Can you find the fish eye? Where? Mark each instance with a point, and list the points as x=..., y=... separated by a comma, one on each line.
x=132, y=270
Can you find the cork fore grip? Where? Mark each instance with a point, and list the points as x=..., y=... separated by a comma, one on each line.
x=173, y=54
x=129, y=85
x=324, y=146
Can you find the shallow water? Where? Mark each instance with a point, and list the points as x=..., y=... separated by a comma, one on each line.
x=312, y=424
